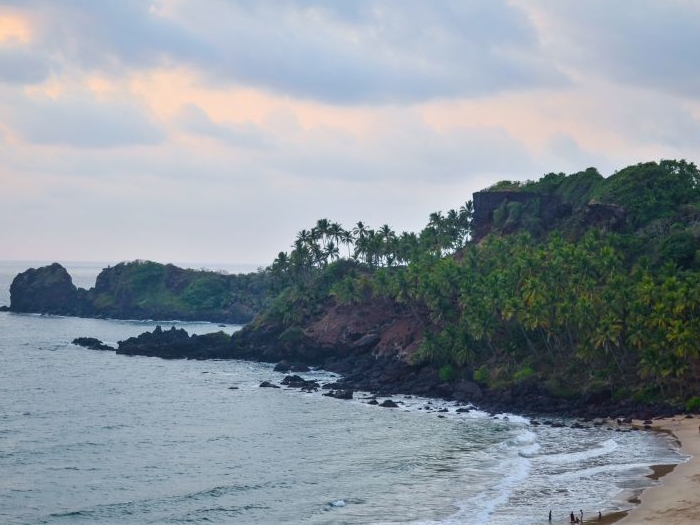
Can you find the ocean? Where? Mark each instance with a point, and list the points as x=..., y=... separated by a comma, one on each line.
x=93, y=437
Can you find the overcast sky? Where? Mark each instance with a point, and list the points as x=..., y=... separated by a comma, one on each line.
x=215, y=130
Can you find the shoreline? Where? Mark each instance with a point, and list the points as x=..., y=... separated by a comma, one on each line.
x=676, y=499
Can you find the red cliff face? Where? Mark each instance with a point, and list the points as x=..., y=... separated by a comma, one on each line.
x=382, y=327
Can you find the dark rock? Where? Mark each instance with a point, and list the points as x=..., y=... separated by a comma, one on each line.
x=91, y=343
x=610, y=216
x=46, y=290
x=466, y=390
x=177, y=344
x=267, y=384
x=299, y=382
x=388, y=403
x=372, y=402
x=287, y=366
x=340, y=394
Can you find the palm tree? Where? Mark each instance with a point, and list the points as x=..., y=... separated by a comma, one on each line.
x=360, y=230
x=322, y=229
x=347, y=239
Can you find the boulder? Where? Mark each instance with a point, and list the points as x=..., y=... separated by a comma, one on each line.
x=299, y=382
x=340, y=394
x=466, y=390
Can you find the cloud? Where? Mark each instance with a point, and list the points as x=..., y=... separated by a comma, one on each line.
x=79, y=120
x=22, y=66
x=375, y=52
x=634, y=42
x=358, y=52
x=251, y=120
x=565, y=154
x=109, y=36
x=192, y=119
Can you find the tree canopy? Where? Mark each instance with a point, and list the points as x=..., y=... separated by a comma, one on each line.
x=573, y=303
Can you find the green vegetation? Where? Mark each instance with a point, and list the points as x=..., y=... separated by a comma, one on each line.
x=600, y=295
x=141, y=289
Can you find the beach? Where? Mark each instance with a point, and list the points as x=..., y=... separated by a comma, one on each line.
x=676, y=500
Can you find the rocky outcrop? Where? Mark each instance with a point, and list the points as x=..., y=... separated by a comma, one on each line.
x=385, y=375
x=177, y=344
x=91, y=343
x=142, y=290
x=46, y=290
x=545, y=209
x=608, y=216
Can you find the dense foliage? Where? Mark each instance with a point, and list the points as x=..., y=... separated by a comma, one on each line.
x=149, y=289
x=581, y=304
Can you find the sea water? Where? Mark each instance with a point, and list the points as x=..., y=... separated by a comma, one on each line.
x=93, y=437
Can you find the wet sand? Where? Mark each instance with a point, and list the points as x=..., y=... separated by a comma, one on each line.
x=676, y=500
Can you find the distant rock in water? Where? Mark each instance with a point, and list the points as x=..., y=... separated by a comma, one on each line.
x=46, y=290
x=91, y=343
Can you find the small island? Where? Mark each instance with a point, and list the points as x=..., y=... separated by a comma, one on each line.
x=142, y=290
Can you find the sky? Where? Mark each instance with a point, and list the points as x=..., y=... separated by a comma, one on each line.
x=215, y=130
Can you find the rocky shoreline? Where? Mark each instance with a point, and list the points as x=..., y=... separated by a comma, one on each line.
x=361, y=369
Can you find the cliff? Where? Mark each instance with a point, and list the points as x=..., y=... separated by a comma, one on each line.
x=45, y=290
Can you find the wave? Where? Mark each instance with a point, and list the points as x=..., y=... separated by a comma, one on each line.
x=565, y=458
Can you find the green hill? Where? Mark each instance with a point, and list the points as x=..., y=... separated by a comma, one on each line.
x=584, y=285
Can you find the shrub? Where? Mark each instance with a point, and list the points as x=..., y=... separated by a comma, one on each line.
x=693, y=404
x=482, y=375
x=524, y=373
x=447, y=373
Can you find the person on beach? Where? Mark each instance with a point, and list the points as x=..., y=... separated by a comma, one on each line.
x=581, y=514
x=573, y=519
x=550, y=516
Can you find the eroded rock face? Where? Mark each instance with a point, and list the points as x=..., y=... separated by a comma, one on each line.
x=46, y=290
x=609, y=216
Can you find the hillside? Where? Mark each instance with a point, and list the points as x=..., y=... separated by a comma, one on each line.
x=142, y=290
x=574, y=287
x=573, y=293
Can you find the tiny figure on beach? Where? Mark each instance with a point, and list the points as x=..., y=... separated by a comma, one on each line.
x=581, y=514
x=550, y=516
x=600, y=516
x=573, y=518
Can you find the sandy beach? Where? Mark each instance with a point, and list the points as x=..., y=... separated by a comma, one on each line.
x=676, y=500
